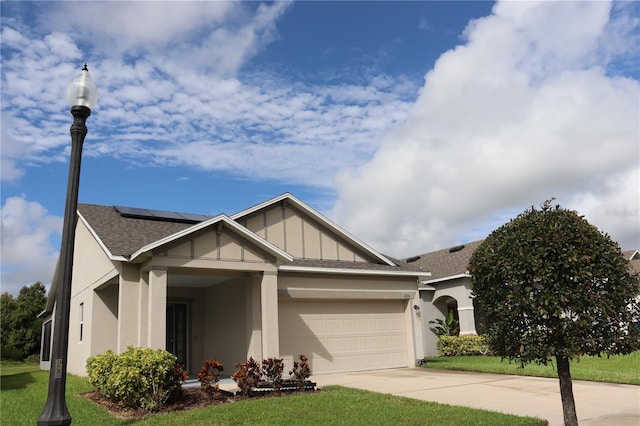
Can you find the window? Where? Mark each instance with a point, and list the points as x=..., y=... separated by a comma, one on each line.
x=81, y=320
x=46, y=341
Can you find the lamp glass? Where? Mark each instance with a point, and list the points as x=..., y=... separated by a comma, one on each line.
x=82, y=91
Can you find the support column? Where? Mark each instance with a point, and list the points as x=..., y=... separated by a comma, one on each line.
x=128, y=307
x=254, y=318
x=467, y=320
x=143, y=308
x=269, y=313
x=157, y=309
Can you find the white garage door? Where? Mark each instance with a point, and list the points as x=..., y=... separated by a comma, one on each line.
x=340, y=336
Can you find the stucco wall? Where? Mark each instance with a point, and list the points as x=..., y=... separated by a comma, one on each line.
x=224, y=323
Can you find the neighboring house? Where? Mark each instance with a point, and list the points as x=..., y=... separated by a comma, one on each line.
x=633, y=256
x=277, y=279
x=447, y=289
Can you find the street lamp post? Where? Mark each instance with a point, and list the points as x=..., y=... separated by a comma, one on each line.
x=82, y=95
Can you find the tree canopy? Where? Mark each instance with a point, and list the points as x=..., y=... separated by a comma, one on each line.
x=553, y=286
x=21, y=329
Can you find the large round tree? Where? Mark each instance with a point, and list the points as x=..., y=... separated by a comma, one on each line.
x=554, y=287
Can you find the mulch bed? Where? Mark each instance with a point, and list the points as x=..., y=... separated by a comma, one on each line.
x=190, y=398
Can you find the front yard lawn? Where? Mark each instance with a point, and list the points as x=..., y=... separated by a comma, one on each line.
x=24, y=388
x=615, y=369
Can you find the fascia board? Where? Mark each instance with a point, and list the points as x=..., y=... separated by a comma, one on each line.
x=202, y=225
x=323, y=270
x=319, y=217
x=260, y=206
x=451, y=277
x=634, y=254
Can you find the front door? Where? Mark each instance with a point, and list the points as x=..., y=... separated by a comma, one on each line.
x=177, y=332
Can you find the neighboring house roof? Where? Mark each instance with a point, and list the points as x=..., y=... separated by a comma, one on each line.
x=453, y=262
x=633, y=256
x=445, y=264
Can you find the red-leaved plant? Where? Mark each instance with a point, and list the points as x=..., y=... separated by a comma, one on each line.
x=301, y=371
x=272, y=369
x=247, y=375
x=209, y=376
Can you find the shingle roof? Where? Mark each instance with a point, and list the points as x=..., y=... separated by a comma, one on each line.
x=367, y=266
x=447, y=262
x=125, y=235
x=633, y=256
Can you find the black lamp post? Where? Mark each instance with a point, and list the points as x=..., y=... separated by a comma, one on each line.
x=82, y=95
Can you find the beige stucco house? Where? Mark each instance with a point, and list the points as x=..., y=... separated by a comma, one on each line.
x=277, y=279
x=447, y=289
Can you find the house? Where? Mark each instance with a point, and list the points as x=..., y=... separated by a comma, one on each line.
x=447, y=289
x=277, y=279
x=633, y=256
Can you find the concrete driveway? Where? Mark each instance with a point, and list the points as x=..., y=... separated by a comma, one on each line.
x=596, y=403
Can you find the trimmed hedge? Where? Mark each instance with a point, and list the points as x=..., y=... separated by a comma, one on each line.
x=139, y=377
x=463, y=345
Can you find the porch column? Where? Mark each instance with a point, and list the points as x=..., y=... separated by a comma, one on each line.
x=466, y=317
x=128, y=307
x=157, y=309
x=254, y=318
x=269, y=312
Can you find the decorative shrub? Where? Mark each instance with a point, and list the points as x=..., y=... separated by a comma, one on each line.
x=447, y=327
x=272, y=369
x=301, y=371
x=139, y=377
x=247, y=375
x=178, y=375
x=209, y=376
x=462, y=345
x=99, y=369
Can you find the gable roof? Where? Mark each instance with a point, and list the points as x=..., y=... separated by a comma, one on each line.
x=289, y=198
x=121, y=236
x=446, y=264
x=127, y=238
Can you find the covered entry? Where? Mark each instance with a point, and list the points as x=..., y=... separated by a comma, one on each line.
x=339, y=336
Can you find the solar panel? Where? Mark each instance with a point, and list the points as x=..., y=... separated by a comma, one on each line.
x=195, y=217
x=160, y=215
x=131, y=211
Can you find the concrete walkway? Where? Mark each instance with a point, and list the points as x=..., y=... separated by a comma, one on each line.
x=596, y=403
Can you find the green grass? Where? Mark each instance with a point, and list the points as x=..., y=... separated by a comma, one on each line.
x=23, y=394
x=615, y=369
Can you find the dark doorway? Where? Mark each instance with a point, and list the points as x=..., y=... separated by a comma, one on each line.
x=177, y=332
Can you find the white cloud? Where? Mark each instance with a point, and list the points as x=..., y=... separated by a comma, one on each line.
x=28, y=254
x=526, y=110
x=158, y=109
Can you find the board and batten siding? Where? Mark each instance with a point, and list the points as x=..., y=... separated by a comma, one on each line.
x=300, y=235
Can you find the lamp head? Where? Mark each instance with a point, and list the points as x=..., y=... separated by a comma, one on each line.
x=82, y=91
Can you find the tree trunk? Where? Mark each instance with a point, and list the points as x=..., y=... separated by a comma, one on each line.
x=566, y=391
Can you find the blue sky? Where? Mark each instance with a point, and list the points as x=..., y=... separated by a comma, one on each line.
x=414, y=125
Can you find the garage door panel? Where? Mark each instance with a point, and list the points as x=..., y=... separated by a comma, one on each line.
x=344, y=336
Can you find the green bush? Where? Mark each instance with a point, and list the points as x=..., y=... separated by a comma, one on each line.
x=139, y=377
x=11, y=353
x=462, y=345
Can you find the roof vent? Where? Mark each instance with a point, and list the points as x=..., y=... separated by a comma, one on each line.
x=413, y=259
x=456, y=248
